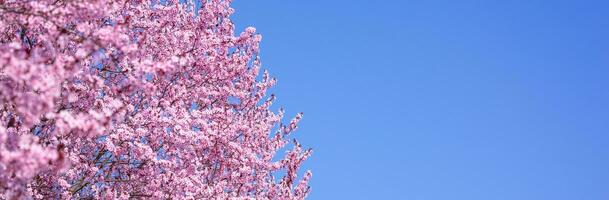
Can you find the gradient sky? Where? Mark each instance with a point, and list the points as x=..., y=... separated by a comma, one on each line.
x=437, y=100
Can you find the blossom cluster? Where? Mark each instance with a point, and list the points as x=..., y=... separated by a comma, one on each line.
x=119, y=99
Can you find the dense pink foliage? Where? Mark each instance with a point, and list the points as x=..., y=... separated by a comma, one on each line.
x=132, y=99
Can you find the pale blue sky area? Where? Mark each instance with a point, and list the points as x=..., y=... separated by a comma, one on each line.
x=439, y=100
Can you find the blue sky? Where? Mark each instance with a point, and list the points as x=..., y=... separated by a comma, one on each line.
x=435, y=100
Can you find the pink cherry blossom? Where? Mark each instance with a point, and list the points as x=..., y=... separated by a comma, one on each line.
x=137, y=99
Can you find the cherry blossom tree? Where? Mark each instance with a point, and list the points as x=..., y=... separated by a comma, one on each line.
x=137, y=99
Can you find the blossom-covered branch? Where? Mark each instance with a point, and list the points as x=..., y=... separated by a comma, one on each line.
x=138, y=99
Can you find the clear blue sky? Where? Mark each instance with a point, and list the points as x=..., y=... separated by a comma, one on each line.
x=437, y=100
